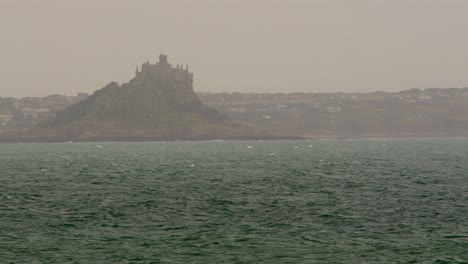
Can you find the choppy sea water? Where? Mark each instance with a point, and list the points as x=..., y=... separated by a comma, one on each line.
x=347, y=201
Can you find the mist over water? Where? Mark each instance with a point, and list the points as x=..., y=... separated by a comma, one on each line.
x=347, y=201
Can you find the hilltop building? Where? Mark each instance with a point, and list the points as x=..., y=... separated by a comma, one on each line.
x=164, y=72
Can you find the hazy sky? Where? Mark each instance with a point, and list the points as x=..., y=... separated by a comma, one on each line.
x=64, y=46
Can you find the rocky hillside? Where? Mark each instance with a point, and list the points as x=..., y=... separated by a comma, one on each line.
x=158, y=104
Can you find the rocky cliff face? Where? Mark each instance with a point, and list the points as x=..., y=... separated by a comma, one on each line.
x=147, y=104
x=159, y=103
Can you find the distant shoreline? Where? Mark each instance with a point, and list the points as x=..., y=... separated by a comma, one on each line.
x=268, y=138
x=414, y=113
x=148, y=139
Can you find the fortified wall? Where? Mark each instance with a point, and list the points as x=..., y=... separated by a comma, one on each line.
x=163, y=71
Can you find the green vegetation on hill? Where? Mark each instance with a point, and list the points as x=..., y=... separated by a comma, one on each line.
x=158, y=104
x=148, y=104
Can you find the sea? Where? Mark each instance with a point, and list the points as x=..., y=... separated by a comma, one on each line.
x=317, y=201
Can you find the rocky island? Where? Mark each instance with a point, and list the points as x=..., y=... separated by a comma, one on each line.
x=159, y=103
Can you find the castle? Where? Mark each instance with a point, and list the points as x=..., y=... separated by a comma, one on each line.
x=163, y=71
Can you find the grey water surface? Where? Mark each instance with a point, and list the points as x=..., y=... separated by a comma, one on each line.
x=331, y=201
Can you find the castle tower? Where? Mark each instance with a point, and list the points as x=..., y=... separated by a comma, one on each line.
x=163, y=71
x=163, y=59
x=136, y=72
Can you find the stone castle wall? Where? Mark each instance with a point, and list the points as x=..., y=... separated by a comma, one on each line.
x=163, y=71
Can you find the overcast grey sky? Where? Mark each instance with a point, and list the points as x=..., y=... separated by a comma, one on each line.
x=64, y=46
